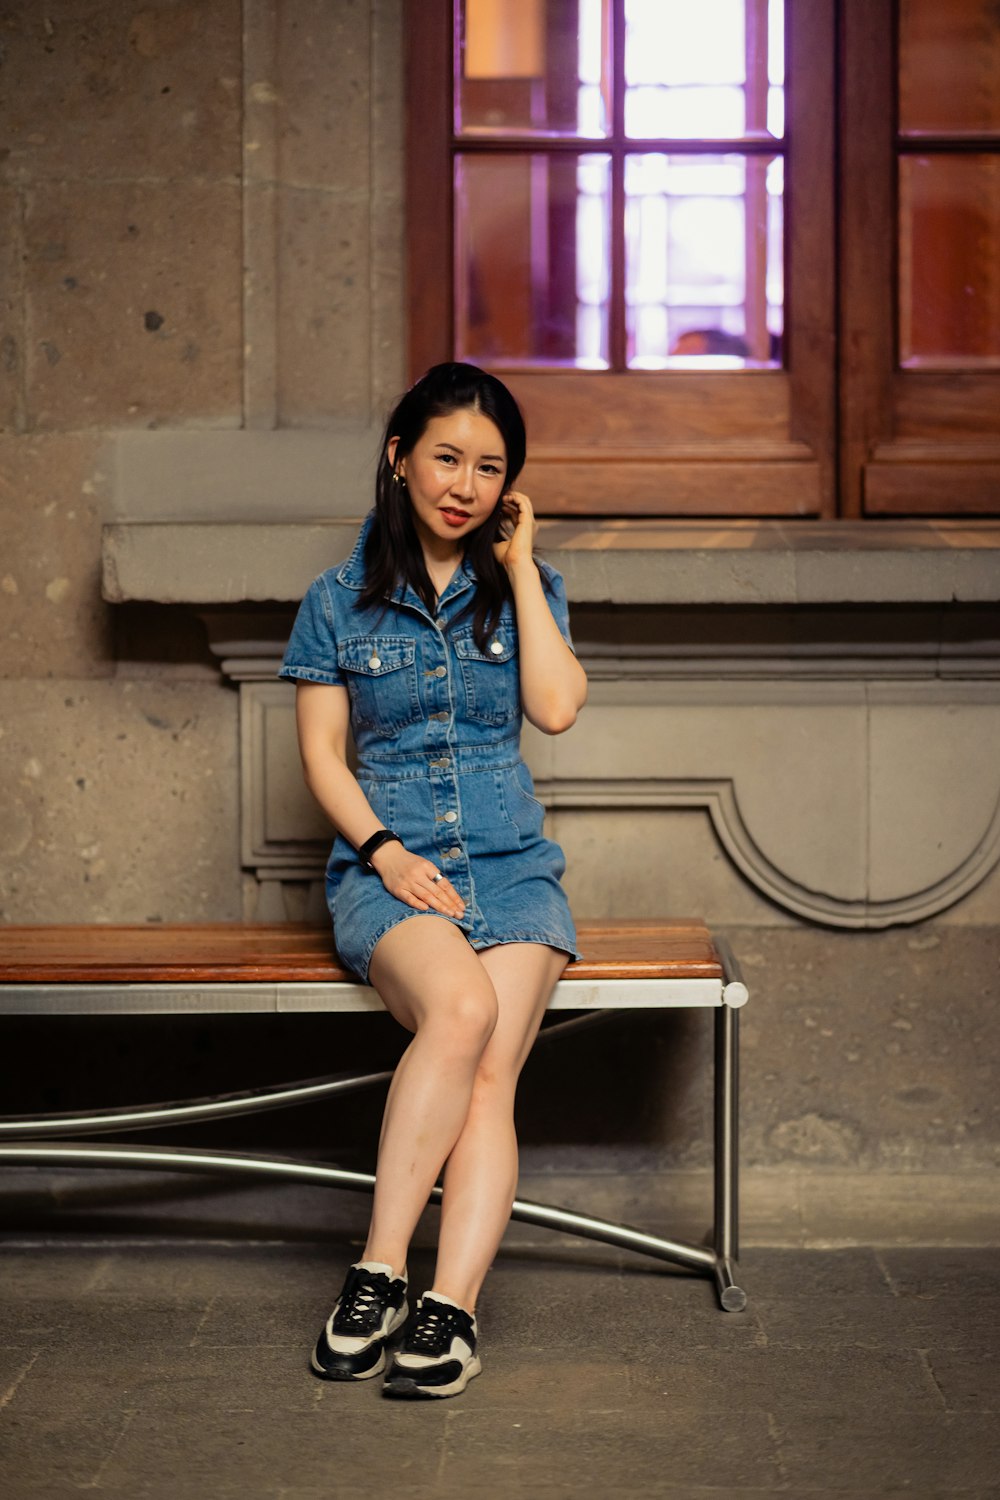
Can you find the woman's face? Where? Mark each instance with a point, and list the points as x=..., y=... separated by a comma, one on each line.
x=454, y=474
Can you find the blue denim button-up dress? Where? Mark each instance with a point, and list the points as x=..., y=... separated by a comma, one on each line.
x=436, y=724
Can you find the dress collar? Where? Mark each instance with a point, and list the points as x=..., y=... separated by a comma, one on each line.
x=352, y=572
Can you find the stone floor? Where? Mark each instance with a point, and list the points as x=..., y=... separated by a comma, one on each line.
x=177, y=1368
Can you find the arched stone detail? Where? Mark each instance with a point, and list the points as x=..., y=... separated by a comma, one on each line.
x=718, y=798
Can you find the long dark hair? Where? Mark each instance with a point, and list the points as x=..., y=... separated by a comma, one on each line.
x=393, y=554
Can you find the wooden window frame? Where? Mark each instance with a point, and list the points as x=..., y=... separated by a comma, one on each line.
x=913, y=442
x=903, y=442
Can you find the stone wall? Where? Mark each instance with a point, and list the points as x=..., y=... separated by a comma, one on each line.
x=197, y=235
x=202, y=291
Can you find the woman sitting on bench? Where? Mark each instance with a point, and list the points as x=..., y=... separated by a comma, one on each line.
x=434, y=637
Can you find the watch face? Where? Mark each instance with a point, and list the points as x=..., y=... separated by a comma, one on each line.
x=368, y=848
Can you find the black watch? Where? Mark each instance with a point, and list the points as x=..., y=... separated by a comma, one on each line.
x=383, y=836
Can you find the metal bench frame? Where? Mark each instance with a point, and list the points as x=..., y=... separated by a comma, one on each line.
x=24, y=1139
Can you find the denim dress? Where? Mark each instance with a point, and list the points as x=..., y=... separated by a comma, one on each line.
x=436, y=724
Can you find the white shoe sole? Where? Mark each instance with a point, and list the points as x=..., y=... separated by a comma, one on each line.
x=408, y=1387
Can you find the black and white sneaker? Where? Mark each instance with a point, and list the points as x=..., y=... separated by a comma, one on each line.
x=438, y=1353
x=369, y=1310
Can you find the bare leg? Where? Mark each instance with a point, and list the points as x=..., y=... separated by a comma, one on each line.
x=438, y=987
x=480, y=1179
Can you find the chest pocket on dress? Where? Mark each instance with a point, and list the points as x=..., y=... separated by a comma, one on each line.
x=492, y=682
x=381, y=676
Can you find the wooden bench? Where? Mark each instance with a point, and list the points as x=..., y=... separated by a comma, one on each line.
x=248, y=968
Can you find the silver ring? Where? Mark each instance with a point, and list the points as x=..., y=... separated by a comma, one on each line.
x=436, y=878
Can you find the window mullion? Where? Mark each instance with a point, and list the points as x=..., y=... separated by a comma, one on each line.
x=617, y=331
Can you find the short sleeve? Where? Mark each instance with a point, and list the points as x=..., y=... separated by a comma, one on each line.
x=311, y=653
x=555, y=593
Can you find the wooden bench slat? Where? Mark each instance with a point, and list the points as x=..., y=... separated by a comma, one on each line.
x=300, y=952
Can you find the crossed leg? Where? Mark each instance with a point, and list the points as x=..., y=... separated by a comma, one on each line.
x=480, y=1179
x=474, y=1018
x=437, y=987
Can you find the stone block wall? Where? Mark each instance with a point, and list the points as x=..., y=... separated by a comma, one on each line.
x=122, y=230
x=201, y=259
x=197, y=234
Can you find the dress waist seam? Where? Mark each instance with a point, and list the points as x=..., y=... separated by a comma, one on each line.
x=404, y=768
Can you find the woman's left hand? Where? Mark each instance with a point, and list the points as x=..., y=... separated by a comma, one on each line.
x=518, y=530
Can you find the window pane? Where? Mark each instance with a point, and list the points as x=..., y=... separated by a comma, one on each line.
x=532, y=258
x=684, y=113
x=949, y=274
x=704, y=70
x=703, y=261
x=949, y=66
x=533, y=67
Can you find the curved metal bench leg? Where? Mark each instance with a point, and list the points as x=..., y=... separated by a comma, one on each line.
x=718, y=1261
x=182, y=1159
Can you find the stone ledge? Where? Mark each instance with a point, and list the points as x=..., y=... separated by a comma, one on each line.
x=613, y=562
x=796, y=1208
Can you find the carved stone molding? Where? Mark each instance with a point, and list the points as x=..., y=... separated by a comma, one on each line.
x=719, y=800
x=853, y=805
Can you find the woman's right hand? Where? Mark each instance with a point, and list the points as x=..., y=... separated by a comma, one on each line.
x=410, y=878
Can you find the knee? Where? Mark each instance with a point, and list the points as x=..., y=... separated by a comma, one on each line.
x=464, y=1021
x=496, y=1081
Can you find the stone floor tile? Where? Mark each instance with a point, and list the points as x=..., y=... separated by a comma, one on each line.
x=162, y=1487
x=539, y=1314
x=291, y=1322
x=787, y=1274
x=772, y=1378
x=685, y=1490
x=515, y=1487
x=803, y=1492
x=884, y=1322
x=32, y=1272
x=39, y=1453
x=15, y=1366
x=967, y=1382
x=208, y=1271
x=333, y=1442
x=398, y=1492
x=30, y=1321
x=965, y=1274
x=537, y=1275
x=180, y=1370
x=910, y=1493
x=594, y=1448
x=550, y=1381
x=952, y=1325
x=104, y=1321
x=550, y=1310
x=165, y=1378
x=257, y=1271
x=663, y=1486
x=857, y=1450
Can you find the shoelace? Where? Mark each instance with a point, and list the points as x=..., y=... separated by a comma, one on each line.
x=362, y=1305
x=433, y=1330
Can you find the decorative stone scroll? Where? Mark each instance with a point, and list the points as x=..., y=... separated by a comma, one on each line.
x=855, y=805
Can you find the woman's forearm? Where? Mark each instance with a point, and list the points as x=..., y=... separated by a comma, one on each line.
x=322, y=714
x=337, y=791
x=553, y=683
